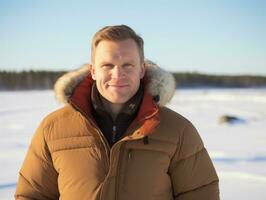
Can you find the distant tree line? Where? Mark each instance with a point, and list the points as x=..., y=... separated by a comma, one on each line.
x=40, y=80
x=205, y=80
x=28, y=80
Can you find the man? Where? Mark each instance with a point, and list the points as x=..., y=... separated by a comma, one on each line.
x=114, y=139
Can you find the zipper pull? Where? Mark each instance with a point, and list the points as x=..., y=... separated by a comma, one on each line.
x=114, y=134
x=129, y=154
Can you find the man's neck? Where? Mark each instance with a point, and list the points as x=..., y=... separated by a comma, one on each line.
x=114, y=109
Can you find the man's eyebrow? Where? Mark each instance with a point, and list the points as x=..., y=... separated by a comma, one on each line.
x=129, y=62
x=124, y=62
x=105, y=62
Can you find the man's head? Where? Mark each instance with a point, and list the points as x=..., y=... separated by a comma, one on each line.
x=117, y=63
x=116, y=33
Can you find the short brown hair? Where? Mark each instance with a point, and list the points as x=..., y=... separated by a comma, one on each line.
x=117, y=33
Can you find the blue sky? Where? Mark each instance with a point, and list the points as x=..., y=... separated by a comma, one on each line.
x=215, y=36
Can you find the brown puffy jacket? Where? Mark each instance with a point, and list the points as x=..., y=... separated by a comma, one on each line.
x=161, y=157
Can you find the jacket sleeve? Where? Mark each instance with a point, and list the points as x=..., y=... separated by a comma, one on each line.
x=191, y=170
x=37, y=176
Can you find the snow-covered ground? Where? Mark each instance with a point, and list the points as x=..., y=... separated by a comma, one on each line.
x=238, y=150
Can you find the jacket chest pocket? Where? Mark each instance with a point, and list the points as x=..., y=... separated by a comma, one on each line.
x=81, y=153
x=144, y=171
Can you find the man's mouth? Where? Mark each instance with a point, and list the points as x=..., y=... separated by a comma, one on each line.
x=118, y=86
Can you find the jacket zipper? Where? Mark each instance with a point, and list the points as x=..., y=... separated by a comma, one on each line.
x=117, y=172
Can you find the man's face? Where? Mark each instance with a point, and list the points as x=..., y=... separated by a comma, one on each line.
x=117, y=70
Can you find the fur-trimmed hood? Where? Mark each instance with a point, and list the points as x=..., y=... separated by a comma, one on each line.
x=160, y=83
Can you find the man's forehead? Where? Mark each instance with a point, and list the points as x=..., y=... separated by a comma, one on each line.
x=121, y=44
x=107, y=50
x=115, y=54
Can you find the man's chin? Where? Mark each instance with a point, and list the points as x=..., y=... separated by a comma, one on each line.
x=117, y=101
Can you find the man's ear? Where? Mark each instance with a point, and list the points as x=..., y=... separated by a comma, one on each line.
x=143, y=70
x=92, y=70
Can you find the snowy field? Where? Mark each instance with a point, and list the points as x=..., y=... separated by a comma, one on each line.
x=238, y=150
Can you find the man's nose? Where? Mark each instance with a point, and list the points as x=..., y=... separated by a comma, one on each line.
x=117, y=72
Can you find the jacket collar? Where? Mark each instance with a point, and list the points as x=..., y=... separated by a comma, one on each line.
x=81, y=99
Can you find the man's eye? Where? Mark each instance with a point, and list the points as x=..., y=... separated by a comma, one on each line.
x=107, y=65
x=127, y=65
